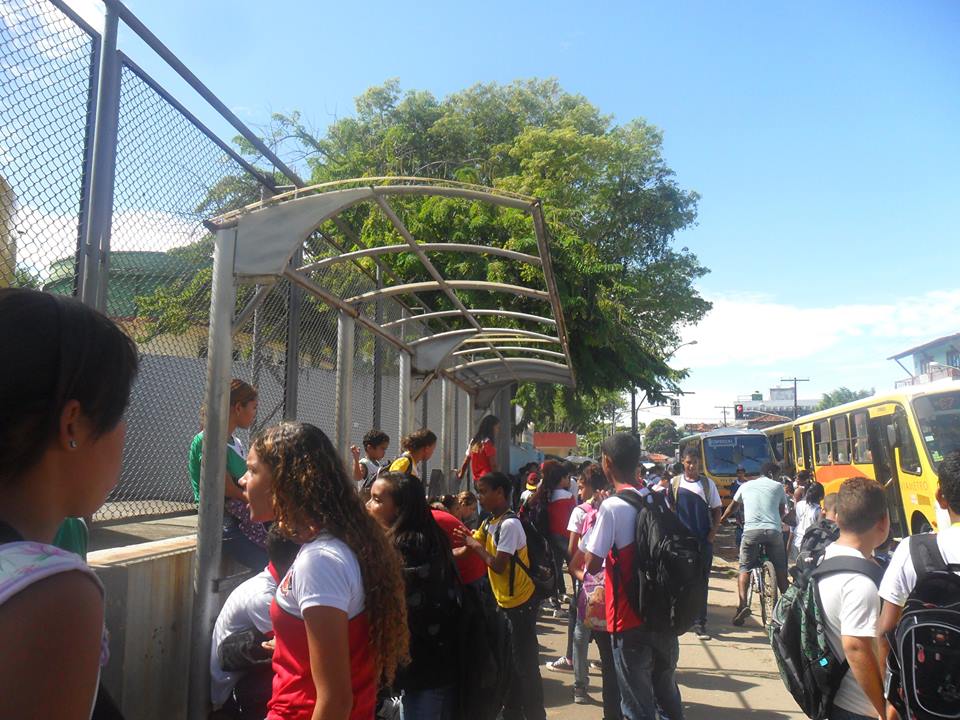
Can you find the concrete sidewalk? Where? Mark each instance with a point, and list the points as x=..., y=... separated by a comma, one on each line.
x=731, y=677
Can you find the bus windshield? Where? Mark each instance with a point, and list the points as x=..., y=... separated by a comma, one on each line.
x=724, y=454
x=939, y=419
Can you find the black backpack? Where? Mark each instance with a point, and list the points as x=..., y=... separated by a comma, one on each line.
x=485, y=661
x=808, y=666
x=923, y=681
x=668, y=590
x=813, y=546
x=542, y=569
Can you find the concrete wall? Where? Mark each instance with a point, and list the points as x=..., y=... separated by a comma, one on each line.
x=149, y=599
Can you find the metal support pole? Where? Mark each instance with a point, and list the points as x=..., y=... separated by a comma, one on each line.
x=633, y=411
x=344, y=396
x=424, y=422
x=291, y=380
x=457, y=392
x=213, y=467
x=447, y=391
x=405, y=384
x=378, y=359
x=256, y=353
x=96, y=241
x=505, y=415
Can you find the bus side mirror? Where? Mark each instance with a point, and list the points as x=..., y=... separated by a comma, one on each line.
x=893, y=437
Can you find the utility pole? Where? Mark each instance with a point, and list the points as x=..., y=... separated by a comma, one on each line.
x=795, y=380
x=724, y=408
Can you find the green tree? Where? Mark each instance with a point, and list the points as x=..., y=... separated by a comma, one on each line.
x=842, y=395
x=613, y=209
x=661, y=436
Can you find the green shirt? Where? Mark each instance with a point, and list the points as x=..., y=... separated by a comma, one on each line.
x=236, y=462
x=72, y=536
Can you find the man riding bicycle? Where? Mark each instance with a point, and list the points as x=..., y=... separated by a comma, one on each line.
x=764, y=504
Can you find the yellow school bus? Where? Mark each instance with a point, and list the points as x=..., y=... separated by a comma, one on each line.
x=897, y=439
x=724, y=449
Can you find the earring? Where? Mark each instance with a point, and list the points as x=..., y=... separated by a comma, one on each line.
x=72, y=444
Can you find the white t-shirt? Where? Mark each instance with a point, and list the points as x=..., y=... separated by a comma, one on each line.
x=851, y=607
x=512, y=537
x=807, y=516
x=325, y=573
x=525, y=495
x=615, y=524
x=695, y=486
x=247, y=607
x=575, y=524
x=901, y=577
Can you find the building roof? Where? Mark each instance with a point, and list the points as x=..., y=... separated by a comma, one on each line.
x=933, y=343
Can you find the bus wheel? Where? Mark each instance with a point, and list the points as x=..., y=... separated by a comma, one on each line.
x=920, y=524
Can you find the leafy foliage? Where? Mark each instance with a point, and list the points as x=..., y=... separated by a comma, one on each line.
x=842, y=395
x=661, y=436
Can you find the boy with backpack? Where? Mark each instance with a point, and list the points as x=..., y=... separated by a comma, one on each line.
x=921, y=587
x=645, y=658
x=501, y=542
x=366, y=468
x=698, y=505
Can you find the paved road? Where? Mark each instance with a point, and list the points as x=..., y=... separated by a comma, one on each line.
x=731, y=677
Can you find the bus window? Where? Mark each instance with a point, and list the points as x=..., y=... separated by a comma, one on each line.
x=841, y=443
x=938, y=417
x=724, y=454
x=861, y=439
x=791, y=460
x=821, y=435
x=777, y=442
x=909, y=459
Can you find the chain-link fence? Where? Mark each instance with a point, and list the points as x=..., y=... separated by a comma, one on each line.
x=171, y=173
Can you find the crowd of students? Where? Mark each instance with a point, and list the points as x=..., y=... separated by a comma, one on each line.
x=370, y=595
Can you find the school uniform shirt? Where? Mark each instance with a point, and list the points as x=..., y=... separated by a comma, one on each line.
x=325, y=574
x=247, y=607
x=470, y=565
x=807, y=516
x=370, y=468
x=559, y=508
x=901, y=577
x=577, y=518
x=404, y=464
x=236, y=461
x=693, y=507
x=613, y=537
x=512, y=540
x=851, y=607
x=480, y=459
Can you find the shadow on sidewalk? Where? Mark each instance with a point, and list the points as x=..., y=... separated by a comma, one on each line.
x=700, y=711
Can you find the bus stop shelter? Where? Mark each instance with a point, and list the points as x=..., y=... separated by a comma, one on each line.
x=480, y=346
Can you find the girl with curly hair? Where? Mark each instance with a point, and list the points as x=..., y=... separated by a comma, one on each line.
x=339, y=615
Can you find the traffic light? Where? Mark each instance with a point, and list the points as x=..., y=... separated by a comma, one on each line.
x=738, y=411
x=674, y=406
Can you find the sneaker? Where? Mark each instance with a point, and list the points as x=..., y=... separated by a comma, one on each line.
x=580, y=697
x=702, y=633
x=561, y=664
x=596, y=665
x=741, y=616
x=560, y=614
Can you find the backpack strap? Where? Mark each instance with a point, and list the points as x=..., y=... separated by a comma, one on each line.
x=925, y=555
x=513, y=559
x=858, y=565
x=675, y=486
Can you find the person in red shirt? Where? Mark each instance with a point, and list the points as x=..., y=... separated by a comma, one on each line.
x=472, y=569
x=336, y=636
x=482, y=455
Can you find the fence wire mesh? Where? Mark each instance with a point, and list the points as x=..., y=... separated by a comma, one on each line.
x=170, y=176
x=46, y=62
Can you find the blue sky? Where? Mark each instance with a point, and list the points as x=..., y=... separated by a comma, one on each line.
x=822, y=136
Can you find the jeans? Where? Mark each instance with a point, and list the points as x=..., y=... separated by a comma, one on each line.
x=430, y=704
x=581, y=673
x=838, y=713
x=646, y=663
x=572, y=620
x=525, y=696
x=241, y=548
x=707, y=552
x=581, y=646
x=560, y=543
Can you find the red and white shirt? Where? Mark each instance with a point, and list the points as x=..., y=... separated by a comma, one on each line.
x=561, y=505
x=613, y=537
x=325, y=574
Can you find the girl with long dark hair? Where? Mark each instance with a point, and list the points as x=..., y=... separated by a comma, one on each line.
x=339, y=616
x=428, y=684
x=482, y=454
x=65, y=378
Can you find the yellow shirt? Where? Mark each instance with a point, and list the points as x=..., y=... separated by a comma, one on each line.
x=404, y=464
x=512, y=540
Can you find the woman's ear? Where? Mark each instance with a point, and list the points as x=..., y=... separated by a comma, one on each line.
x=71, y=430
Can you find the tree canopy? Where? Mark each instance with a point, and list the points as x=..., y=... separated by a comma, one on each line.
x=842, y=395
x=613, y=210
x=661, y=436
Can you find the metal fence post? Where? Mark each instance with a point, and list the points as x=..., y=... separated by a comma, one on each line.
x=102, y=170
x=212, y=470
x=504, y=412
x=344, y=390
x=291, y=383
x=447, y=391
x=378, y=359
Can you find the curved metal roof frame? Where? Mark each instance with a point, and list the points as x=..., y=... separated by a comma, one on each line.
x=269, y=235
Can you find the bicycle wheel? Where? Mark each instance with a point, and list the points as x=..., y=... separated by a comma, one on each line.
x=768, y=598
